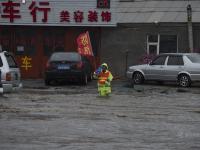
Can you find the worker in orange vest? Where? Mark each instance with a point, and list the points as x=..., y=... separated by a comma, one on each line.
x=104, y=77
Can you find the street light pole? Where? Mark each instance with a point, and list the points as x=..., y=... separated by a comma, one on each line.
x=190, y=31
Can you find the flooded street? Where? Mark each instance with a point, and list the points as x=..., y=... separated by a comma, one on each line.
x=146, y=117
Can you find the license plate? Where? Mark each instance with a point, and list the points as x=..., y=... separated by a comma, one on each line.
x=63, y=67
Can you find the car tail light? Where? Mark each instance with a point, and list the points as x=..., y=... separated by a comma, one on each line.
x=49, y=65
x=79, y=65
x=8, y=76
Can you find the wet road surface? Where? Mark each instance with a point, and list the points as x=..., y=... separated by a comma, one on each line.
x=146, y=117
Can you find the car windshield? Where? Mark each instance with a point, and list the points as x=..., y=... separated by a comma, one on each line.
x=65, y=56
x=194, y=58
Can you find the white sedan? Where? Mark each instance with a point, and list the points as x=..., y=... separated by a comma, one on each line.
x=183, y=68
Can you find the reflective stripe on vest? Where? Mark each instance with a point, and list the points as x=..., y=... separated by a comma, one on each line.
x=103, y=77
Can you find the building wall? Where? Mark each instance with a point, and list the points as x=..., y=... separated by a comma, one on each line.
x=196, y=37
x=149, y=11
x=116, y=42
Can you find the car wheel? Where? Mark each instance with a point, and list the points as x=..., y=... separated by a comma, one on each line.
x=47, y=82
x=184, y=80
x=138, y=78
x=84, y=79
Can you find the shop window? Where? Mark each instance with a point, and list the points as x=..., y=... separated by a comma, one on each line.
x=153, y=49
x=153, y=38
x=161, y=44
x=153, y=44
x=168, y=43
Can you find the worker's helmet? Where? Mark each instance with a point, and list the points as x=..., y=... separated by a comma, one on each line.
x=104, y=65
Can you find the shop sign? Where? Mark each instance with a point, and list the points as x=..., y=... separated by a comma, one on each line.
x=11, y=12
x=78, y=16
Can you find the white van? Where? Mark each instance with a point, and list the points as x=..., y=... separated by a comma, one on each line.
x=10, y=73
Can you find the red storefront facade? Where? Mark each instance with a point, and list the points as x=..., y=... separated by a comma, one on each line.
x=33, y=30
x=32, y=46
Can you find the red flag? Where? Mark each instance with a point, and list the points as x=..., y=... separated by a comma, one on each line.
x=84, y=44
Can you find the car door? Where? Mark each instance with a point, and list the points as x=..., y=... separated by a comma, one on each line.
x=175, y=65
x=155, y=70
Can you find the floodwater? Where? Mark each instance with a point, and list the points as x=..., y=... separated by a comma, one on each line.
x=146, y=117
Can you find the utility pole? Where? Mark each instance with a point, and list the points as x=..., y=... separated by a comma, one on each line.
x=190, y=31
x=126, y=60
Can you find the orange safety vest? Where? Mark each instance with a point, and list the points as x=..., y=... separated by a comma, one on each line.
x=103, y=76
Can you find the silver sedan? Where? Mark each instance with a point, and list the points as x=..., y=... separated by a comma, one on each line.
x=183, y=68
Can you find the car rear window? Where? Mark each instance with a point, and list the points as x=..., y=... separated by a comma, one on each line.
x=194, y=58
x=1, y=63
x=11, y=61
x=65, y=56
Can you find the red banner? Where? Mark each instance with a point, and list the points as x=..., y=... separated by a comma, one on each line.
x=84, y=44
